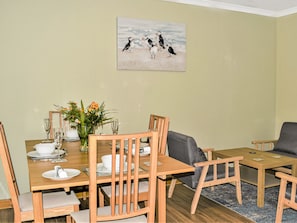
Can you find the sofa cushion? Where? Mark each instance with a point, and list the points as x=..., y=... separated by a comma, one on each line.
x=287, y=141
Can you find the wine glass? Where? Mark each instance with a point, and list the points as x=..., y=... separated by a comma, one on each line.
x=58, y=137
x=47, y=128
x=115, y=126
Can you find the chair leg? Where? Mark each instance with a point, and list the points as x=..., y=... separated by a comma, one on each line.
x=238, y=191
x=198, y=190
x=196, y=198
x=84, y=195
x=101, y=197
x=280, y=203
x=238, y=182
x=68, y=219
x=279, y=213
x=145, y=203
x=171, y=187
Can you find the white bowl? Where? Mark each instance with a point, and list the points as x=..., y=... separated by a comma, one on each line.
x=45, y=148
x=72, y=134
x=106, y=160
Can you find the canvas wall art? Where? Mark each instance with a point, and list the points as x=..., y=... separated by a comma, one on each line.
x=150, y=45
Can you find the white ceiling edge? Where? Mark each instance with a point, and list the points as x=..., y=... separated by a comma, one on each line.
x=237, y=8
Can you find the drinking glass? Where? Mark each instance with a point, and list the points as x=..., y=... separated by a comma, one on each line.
x=47, y=127
x=58, y=137
x=115, y=126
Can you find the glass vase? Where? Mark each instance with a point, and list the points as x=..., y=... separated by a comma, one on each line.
x=83, y=132
x=84, y=144
x=83, y=135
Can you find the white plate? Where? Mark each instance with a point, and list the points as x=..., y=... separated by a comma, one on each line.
x=35, y=154
x=51, y=174
x=102, y=169
x=71, y=139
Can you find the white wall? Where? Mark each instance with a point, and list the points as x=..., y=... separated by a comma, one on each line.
x=55, y=51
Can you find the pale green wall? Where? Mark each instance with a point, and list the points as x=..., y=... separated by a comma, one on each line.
x=59, y=50
x=286, y=97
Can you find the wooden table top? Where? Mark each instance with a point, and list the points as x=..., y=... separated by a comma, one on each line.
x=79, y=160
x=256, y=158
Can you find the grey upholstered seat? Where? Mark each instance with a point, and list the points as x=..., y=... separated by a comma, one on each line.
x=287, y=142
x=185, y=149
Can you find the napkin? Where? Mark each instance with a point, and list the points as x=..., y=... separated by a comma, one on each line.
x=146, y=149
x=60, y=172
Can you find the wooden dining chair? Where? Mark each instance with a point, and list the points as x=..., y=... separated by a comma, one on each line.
x=161, y=125
x=55, y=203
x=56, y=121
x=156, y=123
x=287, y=197
x=124, y=182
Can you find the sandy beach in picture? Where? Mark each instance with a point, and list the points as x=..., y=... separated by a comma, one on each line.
x=140, y=59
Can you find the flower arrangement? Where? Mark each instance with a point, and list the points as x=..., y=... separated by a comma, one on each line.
x=87, y=120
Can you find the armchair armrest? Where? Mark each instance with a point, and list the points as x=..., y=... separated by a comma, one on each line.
x=262, y=144
x=218, y=161
x=286, y=177
x=208, y=152
x=227, y=161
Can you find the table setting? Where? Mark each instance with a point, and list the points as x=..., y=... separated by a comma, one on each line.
x=42, y=175
x=49, y=150
x=59, y=173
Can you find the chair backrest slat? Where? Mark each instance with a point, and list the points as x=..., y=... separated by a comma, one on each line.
x=56, y=120
x=161, y=125
x=127, y=176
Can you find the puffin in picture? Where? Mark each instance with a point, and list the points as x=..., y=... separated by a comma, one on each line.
x=171, y=51
x=128, y=45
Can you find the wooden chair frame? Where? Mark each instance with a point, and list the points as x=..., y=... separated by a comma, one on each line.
x=160, y=124
x=19, y=215
x=283, y=200
x=52, y=115
x=156, y=123
x=264, y=145
x=126, y=205
x=202, y=183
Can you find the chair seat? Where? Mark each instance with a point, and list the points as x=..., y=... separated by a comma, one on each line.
x=83, y=216
x=142, y=187
x=50, y=200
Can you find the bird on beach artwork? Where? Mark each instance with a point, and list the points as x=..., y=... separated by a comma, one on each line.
x=146, y=44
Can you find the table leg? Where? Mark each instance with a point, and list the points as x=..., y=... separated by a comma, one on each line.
x=37, y=206
x=161, y=207
x=261, y=187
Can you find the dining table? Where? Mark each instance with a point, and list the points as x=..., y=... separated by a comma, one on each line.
x=78, y=160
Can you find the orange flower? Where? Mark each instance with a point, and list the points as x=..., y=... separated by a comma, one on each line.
x=93, y=106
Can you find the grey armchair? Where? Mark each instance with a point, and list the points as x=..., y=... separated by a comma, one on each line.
x=207, y=173
x=286, y=145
